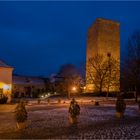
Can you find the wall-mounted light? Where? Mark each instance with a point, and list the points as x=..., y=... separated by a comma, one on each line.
x=6, y=87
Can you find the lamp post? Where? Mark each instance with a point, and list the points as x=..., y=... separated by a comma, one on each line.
x=109, y=67
x=73, y=89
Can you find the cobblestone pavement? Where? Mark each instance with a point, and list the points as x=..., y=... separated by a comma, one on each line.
x=94, y=122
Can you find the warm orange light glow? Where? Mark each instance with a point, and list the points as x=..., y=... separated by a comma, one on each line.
x=6, y=88
x=89, y=87
x=74, y=89
x=84, y=87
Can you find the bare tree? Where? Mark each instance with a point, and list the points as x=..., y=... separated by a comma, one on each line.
x=70, y=77
x=112, y=79
x=103, y=72
x=132, y=67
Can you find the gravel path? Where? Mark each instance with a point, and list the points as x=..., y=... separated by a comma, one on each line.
x=51, y=122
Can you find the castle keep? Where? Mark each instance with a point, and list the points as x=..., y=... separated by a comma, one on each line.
x=103, y=38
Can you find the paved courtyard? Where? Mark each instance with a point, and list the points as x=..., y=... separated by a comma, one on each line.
x=50, y=121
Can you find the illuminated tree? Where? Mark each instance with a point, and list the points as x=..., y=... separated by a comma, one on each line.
x=103, y=72
x=112, y=78
x=68, y=76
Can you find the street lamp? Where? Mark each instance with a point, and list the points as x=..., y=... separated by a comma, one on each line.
x=74, y=89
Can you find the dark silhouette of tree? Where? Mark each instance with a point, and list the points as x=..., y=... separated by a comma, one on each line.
x=48, y=85
x=131, y=71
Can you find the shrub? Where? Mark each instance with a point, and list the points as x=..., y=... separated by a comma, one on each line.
x=26, y=102
x=74, y=108
x=48, y=100
x=98, y=94
x=96, y=103
x=120, y=105
x=139, y=104
x=92, y=101
x=38, y=101
x=59, y=101
x=3, y=99
x=20, y=112
x=128, y=95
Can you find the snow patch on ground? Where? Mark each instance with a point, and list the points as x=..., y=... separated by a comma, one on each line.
x=50, y=121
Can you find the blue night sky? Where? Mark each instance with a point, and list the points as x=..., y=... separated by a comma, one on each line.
x=36, y=38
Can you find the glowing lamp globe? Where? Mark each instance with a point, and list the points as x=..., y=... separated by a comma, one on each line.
x=6, y=87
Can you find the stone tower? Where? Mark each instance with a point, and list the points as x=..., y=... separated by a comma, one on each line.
x=103, y=38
